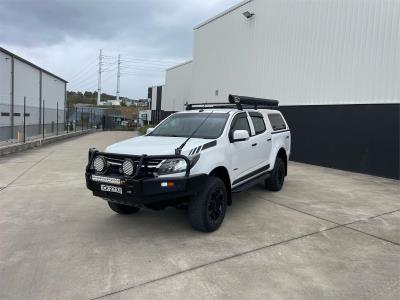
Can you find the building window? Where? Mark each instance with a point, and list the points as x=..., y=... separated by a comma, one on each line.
x=277, y=122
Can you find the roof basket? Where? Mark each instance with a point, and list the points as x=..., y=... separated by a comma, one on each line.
x=235, y=101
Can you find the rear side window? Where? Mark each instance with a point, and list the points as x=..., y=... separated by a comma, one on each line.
x=277, y=122
x=259, y=125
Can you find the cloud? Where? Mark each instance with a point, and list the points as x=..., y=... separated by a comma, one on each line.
x=62, y=35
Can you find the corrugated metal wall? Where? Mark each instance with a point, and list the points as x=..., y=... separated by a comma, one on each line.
x=301, y=52
x=28, y=83
x=53, y=92
x=178, y=83
x=153, y=97
x=5, y=88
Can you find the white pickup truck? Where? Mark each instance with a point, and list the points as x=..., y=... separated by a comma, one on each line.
x=195, y=160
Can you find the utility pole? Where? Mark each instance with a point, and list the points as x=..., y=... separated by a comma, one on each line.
x=118, y=75
x=99, y=78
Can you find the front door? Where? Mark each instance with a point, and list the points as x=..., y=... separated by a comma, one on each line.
x=241, y=152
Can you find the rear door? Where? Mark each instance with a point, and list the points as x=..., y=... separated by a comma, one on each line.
x=261, y=141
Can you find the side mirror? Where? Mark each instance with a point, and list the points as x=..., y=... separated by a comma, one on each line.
x=149, y=130
x=240, y=135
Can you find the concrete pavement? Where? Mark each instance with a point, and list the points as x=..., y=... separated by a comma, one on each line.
x=327, y=234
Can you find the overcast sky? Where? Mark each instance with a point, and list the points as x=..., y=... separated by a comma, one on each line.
x=64, y=37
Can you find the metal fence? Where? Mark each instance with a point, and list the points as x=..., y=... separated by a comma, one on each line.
x=27, y=120
x=83, y=118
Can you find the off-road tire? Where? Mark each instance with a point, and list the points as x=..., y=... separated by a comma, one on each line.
x=276, y=179
x=207, y=209
x=123, y=209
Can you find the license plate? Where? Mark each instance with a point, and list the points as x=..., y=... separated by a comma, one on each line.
x=111, y=189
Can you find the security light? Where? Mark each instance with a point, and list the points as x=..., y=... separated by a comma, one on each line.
x=248, y=14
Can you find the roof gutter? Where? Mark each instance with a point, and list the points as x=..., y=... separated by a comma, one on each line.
x=31, y=64
x=233, y=8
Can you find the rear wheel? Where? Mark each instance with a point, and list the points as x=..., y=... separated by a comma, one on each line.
x=277, y=177
x=123, y=209
x=207, y=209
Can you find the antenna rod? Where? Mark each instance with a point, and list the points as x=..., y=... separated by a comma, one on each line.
x=178, y=150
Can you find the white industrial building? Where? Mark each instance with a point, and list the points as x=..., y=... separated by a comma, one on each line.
x=178, y=79
x=42, y=91
x=334, y=65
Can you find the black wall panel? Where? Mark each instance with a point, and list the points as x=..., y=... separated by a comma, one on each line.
x=159, y=97
x=358, y=138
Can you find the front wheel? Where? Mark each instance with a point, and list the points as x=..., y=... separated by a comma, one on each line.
x=207, y=209
x=123, y=209
x=277, y=177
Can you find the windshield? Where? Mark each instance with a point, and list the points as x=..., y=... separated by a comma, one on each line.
x=183, y=125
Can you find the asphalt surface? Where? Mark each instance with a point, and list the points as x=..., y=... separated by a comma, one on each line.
x=327, y=234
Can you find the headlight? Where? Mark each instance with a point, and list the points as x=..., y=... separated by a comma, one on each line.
x=171, y=166
x=99, y=164
x=128, y=167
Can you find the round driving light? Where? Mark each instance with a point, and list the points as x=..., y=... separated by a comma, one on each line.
x=128, y=167
x=99, y=164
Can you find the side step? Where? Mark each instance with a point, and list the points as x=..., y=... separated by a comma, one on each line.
x=249, y=184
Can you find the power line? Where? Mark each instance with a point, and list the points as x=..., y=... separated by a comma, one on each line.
x=88, y=75
x=127, y=57
x=84, y=67
x=89, y=81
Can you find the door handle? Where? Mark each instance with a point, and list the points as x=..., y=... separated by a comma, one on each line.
x=287, y=137
x=255, y=144
x=269, y=140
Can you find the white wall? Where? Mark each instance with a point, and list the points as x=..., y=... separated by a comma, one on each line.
x=5, y=78
x=178, y=83
x=163, y=96
x=26, y=84
x=53, y=91
x=5, y=88
x=154, y=98
x=301, y=52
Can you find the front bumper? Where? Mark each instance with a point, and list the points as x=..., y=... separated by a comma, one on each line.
x=148, y=191
x=142, y=191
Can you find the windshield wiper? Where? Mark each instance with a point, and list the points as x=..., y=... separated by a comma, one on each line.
x=178, y=150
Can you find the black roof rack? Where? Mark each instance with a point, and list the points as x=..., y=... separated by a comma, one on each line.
x=235, y=101
x=195, y=106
